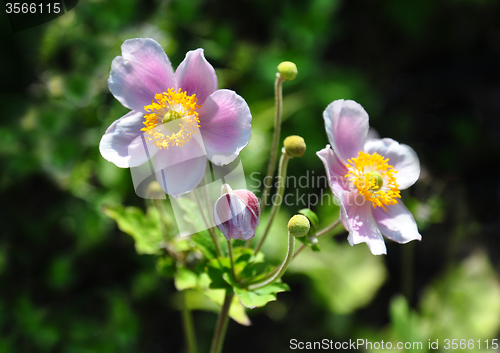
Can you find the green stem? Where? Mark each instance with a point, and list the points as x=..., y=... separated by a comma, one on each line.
x=231, y=260
x=210, y=229
x=283, y=268
x=327, y=229
x=302, y=247
x=278, y=94
x=222, y=321
x=276, y=205
x=187, y=321
x=317, y=235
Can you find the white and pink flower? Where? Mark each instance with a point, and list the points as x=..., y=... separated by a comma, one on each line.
x=180, y=117
x=237, y=213
x=366, y=175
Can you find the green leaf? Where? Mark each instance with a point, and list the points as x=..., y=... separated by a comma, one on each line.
x=180, y=244
x=313, y=218
x=145, y=229
x=165, y=266
x=205, y=244
x=310, y=241
x=185, y=279
x=246, y=266
x=212, y=300
x=243, y=258
x=192, y=213
x=315, y=248
x=254, y=270
x=242, y=255
x=195, y=219
x=236, y=311
x=260, y=297
x=216, y=269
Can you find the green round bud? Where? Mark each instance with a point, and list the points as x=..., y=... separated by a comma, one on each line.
x=288, y=70
x=298, y=225
x=295, y=146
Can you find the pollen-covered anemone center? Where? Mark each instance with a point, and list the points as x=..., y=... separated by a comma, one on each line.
x=166, y=108
x=374, y=178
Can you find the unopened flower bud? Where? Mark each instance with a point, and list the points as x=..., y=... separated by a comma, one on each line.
x=298, y=225
x=287, y=70
x=295, y=146
x=237, y=213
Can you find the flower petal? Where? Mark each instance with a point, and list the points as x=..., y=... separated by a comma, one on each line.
x=251, y=201
x=363, y=228
x=196, y=76
x=346, y=124
x=225, y=126
x=335, y=170
x=339, y=185
x=397, y=223
x=179, y=169
x=123, y=142
x=142, y=71
x=233, y=217
x=402, y=157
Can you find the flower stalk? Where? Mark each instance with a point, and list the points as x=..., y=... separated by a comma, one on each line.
x=210, y=229
x=276, y=205
x=327, y=229
x=278, y=93
x=302, y=247
x=222, y=321
x=282, y=268
x=231, y=259
x=188, y=325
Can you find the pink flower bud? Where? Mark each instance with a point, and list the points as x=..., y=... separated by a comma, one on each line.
x=237, y=213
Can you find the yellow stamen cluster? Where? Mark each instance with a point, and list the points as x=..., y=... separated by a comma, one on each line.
x=374, y=178
x=170, y=106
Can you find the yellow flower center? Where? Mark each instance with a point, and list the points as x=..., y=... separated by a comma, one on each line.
x=374, y=178
x=171, y=106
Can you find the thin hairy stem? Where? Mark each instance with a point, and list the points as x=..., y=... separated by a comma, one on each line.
x=278, y=94
x=302, y=247
x=327, y=229
x=210, y=229
x=282, y=268
x=231, y=260
x=276, y=205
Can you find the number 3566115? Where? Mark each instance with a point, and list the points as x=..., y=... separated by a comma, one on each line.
x=25, y=7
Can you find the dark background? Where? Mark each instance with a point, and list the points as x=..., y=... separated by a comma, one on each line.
x=428, y=74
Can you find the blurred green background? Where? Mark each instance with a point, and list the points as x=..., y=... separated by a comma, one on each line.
x=428, y=74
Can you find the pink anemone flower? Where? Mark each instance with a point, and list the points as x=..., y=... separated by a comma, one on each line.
x=180, y=117
x=237, y=213
x=366, y=175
